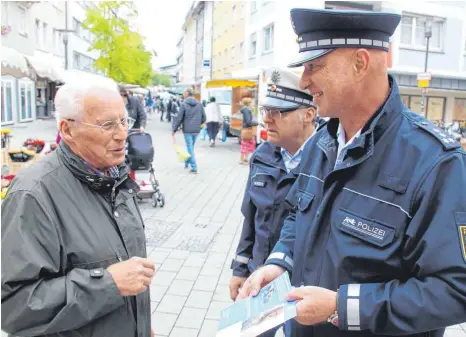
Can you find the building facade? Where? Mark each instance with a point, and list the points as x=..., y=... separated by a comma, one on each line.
x=32, y=55
x=445, y=99
x=228, y=39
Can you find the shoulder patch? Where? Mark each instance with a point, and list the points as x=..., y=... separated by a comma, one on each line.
x=443, y=137
x=460, y=219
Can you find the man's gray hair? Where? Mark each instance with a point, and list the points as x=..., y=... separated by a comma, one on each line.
x=189, y=91
x=69, y=101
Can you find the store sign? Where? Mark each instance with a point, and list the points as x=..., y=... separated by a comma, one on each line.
x=423, y=80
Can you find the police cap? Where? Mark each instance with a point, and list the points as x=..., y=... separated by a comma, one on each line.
x=322, y=31
x=283, y=90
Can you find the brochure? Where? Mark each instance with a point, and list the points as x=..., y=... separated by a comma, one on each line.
x=252, y=316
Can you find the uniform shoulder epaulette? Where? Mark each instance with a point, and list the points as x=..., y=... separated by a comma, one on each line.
x=441, y=135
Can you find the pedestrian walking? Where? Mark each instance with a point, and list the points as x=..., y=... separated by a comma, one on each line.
x=191, y=115
x=273, y=170
x=376, y=237
x=214, y=119
x=134, y=109
x=248, y=140
x=74, y=260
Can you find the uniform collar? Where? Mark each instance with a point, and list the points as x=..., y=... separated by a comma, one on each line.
x=290, y=160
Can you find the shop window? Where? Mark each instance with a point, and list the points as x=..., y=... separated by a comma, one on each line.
x=459, y=110
x=26, y=99
x=415, y=104
x=7, y=101
x=435, y=107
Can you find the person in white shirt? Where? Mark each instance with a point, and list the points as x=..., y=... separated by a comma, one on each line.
x=214, y=120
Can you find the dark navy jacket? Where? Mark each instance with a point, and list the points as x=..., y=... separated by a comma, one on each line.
x=264, y=208
x=386, y=226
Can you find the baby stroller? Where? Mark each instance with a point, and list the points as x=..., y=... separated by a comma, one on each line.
x=139, y=156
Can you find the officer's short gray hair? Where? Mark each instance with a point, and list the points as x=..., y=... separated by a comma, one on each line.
x=69, y=101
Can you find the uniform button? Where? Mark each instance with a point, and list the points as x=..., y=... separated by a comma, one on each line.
x=318, y=214
x=130, y=190
x=116, y=214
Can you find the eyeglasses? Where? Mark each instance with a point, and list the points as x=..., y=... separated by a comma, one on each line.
x=276, y=113
x=109, y=126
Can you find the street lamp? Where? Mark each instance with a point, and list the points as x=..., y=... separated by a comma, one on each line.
x=427, y=35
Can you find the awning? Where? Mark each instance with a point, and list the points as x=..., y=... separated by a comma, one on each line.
x=14, y=63
x=44, y=68
x=234, y=83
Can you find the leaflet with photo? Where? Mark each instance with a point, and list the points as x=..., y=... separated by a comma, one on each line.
x=252, y=316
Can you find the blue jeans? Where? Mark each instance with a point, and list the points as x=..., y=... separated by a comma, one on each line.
x=190, y=140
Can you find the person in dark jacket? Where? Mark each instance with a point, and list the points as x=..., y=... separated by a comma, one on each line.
x=191, y=114
x=248, y=145
x=273, y=171
x=74, y=260
x=376, y=237
x=134, y=108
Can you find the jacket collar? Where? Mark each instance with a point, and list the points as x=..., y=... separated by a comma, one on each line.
x=89, y=176
x=271, y=158
x=375, y=126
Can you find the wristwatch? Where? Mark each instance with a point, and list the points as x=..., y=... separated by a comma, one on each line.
x=333, y=318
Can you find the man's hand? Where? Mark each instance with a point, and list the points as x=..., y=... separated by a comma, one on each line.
x=314, y=304
x=141, y=129
x=152, y=333
x=236, y=283
x=259, y=279
x=133, y=276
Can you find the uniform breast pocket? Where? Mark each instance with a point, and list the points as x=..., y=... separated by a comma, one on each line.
x=365, y=229
x=364, y=248
x=304, y=201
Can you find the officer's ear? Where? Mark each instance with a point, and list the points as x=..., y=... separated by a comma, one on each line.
x=309, y=115
x=360, y=63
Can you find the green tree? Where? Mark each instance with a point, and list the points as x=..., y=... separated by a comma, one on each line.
x=161, y=79
x=123, y=56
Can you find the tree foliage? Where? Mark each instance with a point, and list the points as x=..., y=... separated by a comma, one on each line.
x=161, y=79
x=123, y=56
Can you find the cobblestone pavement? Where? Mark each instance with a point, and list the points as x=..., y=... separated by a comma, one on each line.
x=193, y=238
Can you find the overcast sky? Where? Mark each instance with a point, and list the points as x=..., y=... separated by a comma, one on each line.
x=160, y=22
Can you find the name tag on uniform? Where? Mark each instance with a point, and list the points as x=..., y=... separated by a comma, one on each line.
x=260, y=183
x=365, y=229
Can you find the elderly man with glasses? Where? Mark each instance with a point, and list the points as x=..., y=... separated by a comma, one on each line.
x=73, y=245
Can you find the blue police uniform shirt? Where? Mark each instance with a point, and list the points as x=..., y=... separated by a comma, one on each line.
x=292, y=161
x=385, y=227
x=342, y=143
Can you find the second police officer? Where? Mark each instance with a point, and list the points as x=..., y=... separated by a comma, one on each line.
x=289, y=115
x=376, y=241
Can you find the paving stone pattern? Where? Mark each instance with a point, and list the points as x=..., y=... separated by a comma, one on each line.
x=193, y=238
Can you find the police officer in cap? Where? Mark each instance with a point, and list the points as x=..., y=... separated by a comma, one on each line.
x=376, y=241
x=289, y=115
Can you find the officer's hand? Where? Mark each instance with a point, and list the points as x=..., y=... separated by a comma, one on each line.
x=141, y=129
x=259, y=279
x=314, y=304
x=236, y=283
x=132, y=276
